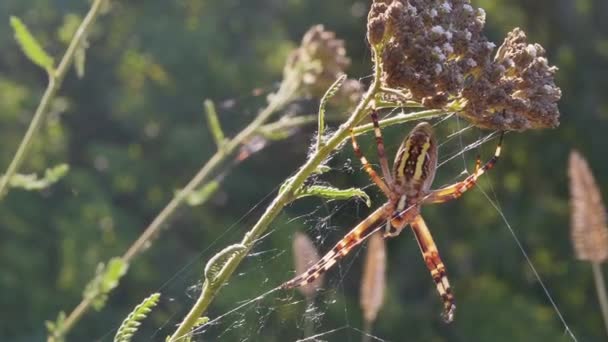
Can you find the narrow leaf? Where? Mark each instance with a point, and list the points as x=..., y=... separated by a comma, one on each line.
x=334, y=193
x=214, y=124
x=132, y=322
x=331, y=91
x=80, y=56
x=201, y=195
x=30, y=46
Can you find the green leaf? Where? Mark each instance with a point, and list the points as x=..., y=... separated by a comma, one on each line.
x=214, y=124
x=32, y=182
x=80, y=56
x=331, y=91
x=333, y=193
x=132, y=322
x=56, y=329
x=106, y=279
x=201, y=195
x=216, y=264
x=321, y=169
x=30, y=46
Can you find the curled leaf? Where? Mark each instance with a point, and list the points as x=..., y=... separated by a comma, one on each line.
x=216, y=264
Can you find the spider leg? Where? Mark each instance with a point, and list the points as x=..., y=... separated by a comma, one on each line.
x=386, y=172
x=435, y=265
x=368, y=168
x=456, y=190
x=342, y=248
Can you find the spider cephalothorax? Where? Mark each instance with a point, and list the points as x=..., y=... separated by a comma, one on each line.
x=407, y=188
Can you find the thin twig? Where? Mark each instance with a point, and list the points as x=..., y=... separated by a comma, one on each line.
x=54, y=84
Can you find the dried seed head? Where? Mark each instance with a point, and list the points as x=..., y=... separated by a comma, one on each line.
x=373, y=283
x=428, y=47
x=588, y=229
x=436, y=53
x=320, y=60
x=517, y=90
x=305, y=255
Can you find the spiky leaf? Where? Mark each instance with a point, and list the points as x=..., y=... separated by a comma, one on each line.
x=132, y=322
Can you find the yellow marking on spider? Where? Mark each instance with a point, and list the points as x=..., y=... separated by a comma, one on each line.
x=403, y=160
x=421, y=159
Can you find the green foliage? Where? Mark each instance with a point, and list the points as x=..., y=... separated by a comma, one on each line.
x=106, y=279
x=30, y=46
x=55, y=329
x=216, y=264
x=331, y=91
x=32, y=182
x=214, y=124
x=131, y=323
x=202, y=194
x=332, y=193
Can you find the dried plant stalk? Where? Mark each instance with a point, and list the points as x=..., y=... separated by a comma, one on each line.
x=305, y=254
x=589, y=230
x=374, y=278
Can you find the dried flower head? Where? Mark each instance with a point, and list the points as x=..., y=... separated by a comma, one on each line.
x=588, y=229
x=436, y=53
x=320, y=60
x=517, y=90
x=373, y=283
x=305, y=255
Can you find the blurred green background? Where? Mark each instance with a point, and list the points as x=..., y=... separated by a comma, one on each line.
x=133, y=131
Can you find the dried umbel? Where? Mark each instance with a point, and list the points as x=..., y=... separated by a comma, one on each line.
x=589, y=229
x=435, y=52
x=517, y=91
x=319, y=61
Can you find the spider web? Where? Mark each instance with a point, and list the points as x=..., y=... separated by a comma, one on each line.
x=264, y=312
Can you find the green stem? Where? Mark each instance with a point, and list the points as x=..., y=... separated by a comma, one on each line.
x=600, y=286
x=282, y=199
x=284, y=95
x=54, y=84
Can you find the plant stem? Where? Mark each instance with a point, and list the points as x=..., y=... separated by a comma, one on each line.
x=309, y=323
x=282, y=199
x=283, y=96
x=54, y=84
x=600, y=286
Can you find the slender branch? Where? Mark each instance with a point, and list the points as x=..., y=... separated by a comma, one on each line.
x=600, y=286
x=284, y=95
x=54, y=84
x=209, y=291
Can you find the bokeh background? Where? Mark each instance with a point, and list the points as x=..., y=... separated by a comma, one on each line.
x=133, y=131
